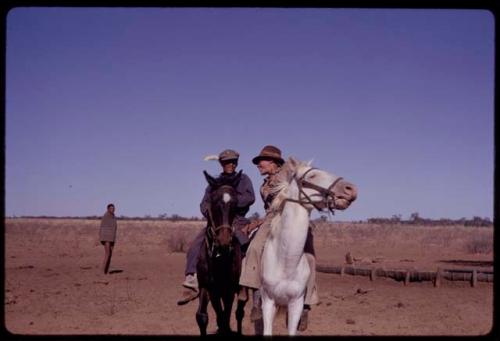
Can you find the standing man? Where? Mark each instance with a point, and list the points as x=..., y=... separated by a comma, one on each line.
x=107, y=235
x=269, y=163
x=228, y=160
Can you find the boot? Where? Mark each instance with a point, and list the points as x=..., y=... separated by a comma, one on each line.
x=191, y=282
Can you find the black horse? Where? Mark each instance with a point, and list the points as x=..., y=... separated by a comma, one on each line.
x=219, y=265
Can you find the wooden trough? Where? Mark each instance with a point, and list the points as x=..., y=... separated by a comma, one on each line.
x=407, y=276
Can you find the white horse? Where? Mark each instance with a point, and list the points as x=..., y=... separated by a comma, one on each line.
x=285, y=270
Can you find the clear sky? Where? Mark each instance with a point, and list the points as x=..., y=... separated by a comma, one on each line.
x=121, y=105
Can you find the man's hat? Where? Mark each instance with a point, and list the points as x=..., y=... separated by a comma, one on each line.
x=269, y=153
x=228, y=154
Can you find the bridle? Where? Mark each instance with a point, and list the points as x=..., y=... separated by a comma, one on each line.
x=326, y=193
x=212, y=228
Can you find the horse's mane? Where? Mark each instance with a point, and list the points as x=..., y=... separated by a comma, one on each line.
x=282, y=183
x=283, y=179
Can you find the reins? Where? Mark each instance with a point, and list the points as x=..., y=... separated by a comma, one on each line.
x=212, y=229
x=326, y=194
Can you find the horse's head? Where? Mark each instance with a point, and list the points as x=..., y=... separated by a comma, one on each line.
x=320, y=189
x=222, y=208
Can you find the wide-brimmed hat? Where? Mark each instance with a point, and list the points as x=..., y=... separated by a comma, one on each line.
x=228, y=154
x=269, y=153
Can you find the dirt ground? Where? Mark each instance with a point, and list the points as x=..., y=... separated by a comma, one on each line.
x=54, y=283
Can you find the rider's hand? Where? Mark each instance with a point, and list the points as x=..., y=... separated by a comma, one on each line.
x=253, y=225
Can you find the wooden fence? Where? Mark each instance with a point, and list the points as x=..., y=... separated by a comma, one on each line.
x=407, y=276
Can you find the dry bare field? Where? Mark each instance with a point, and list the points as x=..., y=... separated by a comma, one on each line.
x=54, y=284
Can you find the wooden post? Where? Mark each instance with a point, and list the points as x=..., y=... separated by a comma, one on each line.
x=473, y=281
x=437, y=280
x=372, y=274
x=407, y=277
x=342, y=270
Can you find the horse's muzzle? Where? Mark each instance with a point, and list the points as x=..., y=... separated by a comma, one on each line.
x=345, y=194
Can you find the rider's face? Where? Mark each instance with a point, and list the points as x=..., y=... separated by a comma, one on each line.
x=267, y=167
x=229, y=166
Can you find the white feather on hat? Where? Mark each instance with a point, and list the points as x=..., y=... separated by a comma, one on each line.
x=211, y=157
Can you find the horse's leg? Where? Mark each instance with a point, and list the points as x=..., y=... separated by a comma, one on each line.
x=268, y=312
x=240, y=311
x=201, y=314
x=219, y=312
x=294, y=311
x=228, y=300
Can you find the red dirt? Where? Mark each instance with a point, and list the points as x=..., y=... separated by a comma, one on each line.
x=54, y=285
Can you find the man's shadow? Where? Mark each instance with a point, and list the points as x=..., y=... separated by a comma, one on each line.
x=115, y=272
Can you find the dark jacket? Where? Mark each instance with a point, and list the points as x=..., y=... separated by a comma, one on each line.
x=245, y=198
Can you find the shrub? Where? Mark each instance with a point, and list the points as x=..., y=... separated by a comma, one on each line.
x=179, y=239
x=479, y=244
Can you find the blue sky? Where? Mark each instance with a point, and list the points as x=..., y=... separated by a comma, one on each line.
x=122, y=104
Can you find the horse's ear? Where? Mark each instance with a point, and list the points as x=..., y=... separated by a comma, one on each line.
x=210, y=179
x=309, y=163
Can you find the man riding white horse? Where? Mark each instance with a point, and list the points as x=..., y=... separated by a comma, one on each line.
x=269, y=162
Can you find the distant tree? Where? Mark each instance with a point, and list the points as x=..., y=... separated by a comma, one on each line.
x=162, y=216
x=175, y=217
x=478, y=221
x=414, y=217
x=396, y=218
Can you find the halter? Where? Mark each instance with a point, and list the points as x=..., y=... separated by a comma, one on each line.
x=212, y=229
x=326, y=193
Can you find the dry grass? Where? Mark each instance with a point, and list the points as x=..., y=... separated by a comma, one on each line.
x=425, y=236
x=84, y=234
x=363, y=238
x=396, y=243
x=481, y=244
x=180, y=239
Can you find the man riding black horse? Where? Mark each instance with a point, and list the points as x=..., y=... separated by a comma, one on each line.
x=245, y=197
x=219, y=263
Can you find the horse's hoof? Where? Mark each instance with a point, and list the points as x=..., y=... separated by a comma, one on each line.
x=255, y=314
x=303, y=321
x=224, y=332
